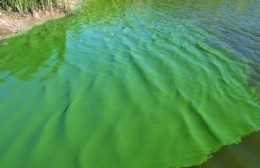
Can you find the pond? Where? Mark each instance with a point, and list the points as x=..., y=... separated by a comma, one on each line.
x=131, y=84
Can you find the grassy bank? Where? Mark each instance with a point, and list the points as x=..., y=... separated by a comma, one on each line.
x=25, y=6
x=17, y=16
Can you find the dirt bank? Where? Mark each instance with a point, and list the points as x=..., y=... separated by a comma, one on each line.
x=11, y=23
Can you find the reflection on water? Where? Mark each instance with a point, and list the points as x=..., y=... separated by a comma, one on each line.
x=26, y=54
x=130, y=84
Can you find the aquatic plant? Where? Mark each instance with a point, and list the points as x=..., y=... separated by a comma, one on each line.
x=22, y=6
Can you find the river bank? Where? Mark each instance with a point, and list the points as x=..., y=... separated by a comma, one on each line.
x=12, y=23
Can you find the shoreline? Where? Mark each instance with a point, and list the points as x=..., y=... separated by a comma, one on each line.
x=12, y=24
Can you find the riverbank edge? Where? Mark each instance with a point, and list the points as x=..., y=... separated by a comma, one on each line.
x=22, y=30
x=236, y=141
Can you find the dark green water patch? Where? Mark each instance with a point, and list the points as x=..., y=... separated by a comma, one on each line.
x=130, y=84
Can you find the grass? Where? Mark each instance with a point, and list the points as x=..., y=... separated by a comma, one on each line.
x=25, y=6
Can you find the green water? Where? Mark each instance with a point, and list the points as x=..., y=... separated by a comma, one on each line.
x=131, y=84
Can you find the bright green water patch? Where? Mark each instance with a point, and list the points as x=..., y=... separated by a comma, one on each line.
x=131, y=84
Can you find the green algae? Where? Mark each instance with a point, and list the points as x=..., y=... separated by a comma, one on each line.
x=130, y=84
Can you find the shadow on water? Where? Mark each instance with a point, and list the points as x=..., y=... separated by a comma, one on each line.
x=42, y=46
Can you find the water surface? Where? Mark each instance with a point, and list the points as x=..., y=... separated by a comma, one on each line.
x=131, y=84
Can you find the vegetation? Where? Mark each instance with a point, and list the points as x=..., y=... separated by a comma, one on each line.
x=24, y=6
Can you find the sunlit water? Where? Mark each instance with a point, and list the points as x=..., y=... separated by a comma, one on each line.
x=131, y=84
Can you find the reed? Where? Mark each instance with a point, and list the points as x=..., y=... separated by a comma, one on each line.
x=24, y=6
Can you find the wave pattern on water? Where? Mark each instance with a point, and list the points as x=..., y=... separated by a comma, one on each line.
x=131, y=84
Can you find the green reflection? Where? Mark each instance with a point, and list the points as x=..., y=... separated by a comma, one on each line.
x=24, y=55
